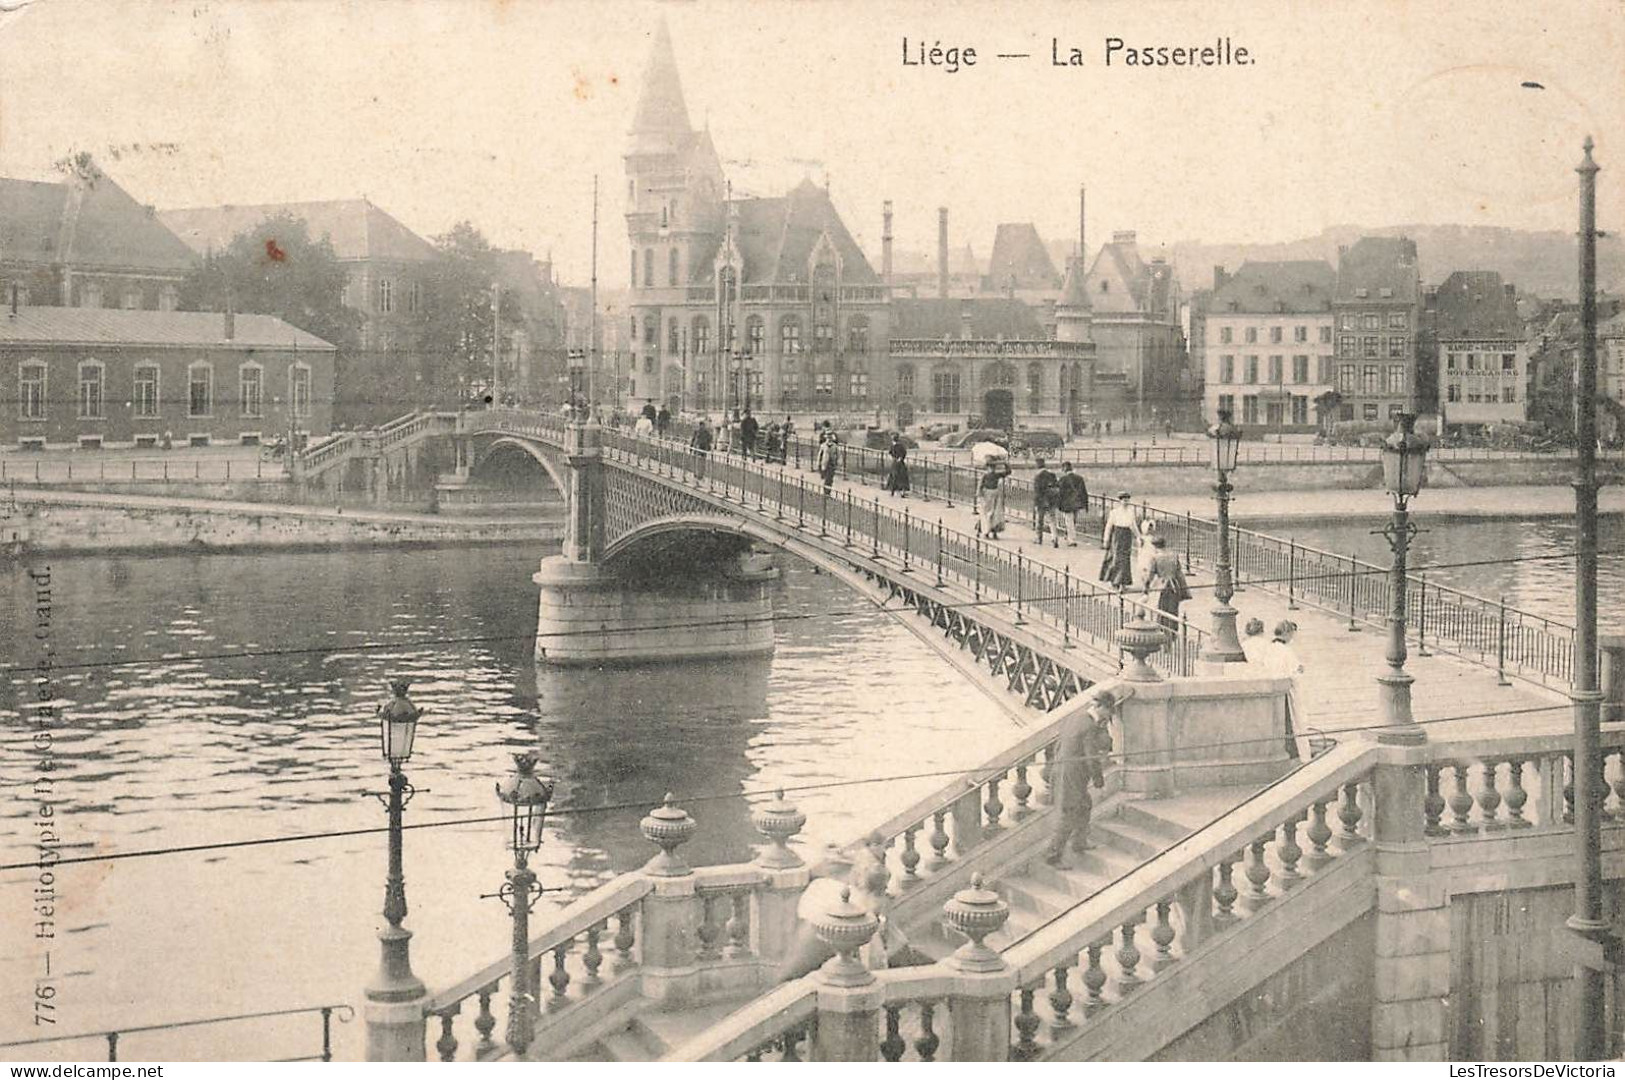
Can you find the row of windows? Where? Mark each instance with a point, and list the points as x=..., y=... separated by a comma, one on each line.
x=1372, y=379
x=92, y=295
x=1276, y=370
x=1372, y=320
x=1275, y=412
x=1300, y=334
x=145, y=395
x=1370, y=411
x=696, y=337
x=1475, y=396
x=1509, y=362
x=673, y=265
x=411, y=294
x=1350, y=346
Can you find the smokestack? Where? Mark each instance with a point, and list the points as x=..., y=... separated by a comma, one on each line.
x=885, y=245
x=14, y=290
x=942, y=252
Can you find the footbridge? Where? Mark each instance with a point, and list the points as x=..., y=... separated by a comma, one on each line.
x=1252, y=893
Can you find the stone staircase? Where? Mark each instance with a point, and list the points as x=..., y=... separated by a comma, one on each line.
x=653, y=1034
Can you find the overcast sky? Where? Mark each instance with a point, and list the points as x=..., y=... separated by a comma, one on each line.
x=501, y=111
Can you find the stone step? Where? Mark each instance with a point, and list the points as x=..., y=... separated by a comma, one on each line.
x=635, y=1042
x=1030, y=894
x=1145, y=814
x=674, y=1027
x=1139, y=844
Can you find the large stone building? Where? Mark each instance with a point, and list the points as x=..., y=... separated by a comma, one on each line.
x=766, y=302
x=86, y=377
x=1267, y=344
x=383, y=258
x=1482, y=357
x=1137, y=330
x=84, y=242
x=1378, y=312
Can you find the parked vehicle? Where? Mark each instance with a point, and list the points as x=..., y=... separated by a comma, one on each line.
x=1039, y=441
x=975, y=435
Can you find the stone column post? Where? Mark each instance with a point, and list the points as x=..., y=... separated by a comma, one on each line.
x=669, y=922
x=979, y=1006
x=1412, y=967
x=774, y=918
x=849, y=997
x=1612, y=683
x=584, y=541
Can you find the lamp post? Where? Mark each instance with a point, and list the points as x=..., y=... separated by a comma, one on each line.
x=394, y=1012
x=1404, y=470
x=1225, y=647
x=527, y=795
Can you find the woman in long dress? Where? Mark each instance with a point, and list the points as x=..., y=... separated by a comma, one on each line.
x=1164, y=574
x=1146, y=553
x=1122, y=529
x=897, y=478
x=990, y=500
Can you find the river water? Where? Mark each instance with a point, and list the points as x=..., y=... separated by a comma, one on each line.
x=187, y=750
x=187, y=746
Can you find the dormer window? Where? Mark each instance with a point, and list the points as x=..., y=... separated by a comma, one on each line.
x=1387, y=293
x=1362, y=293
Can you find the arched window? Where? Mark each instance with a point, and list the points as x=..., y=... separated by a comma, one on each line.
x=671, y=267
x=857, y=334
x=790, y=335
x=386, y=295
x=1035, y=388
x=755, y=335
x=92, y=383
x=648, y=268
x=998, y=375
x=945, y=389
x=634, y=272
x=250, y=390
x=299, y=390
x=31, y=382
x=701, y=335
x=905, y=381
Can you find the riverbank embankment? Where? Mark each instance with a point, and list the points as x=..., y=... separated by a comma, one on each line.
x=84, y=522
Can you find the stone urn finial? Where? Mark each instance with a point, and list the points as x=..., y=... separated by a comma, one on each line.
x=976, y=912
x=846, y=928
x=778, y=821
x=1140, y=638
x=669, y=826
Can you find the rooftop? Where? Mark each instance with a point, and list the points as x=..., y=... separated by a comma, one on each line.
x=1475, y=304
x=116, y=326
x=984, y=318
x=87, y=221
x=776, y=238
x=355, y=227
x=1019, y=260
x=1297, y=286
x=1378, y=268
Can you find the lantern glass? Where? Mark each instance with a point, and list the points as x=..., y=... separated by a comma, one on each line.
x=528, y=795
x=1404, y=459
x=397, y=725
x=1226, y=438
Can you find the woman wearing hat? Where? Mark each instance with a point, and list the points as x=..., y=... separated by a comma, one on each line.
x=1121, y=532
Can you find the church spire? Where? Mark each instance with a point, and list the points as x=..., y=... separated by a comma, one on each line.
x=662, y=113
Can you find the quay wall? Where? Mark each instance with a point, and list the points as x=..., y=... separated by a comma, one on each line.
x=68, y=525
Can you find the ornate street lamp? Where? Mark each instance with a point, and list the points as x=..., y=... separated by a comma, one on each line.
x=1404, y=470
x=395, y=988
x=1225, y=647
x=527, y=795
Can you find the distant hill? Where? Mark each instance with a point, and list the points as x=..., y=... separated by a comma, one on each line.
x=1542, y=263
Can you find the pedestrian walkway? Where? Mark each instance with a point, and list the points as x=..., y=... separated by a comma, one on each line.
x=1339, y=687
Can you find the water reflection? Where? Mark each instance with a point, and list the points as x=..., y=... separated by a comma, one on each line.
x=246, y=726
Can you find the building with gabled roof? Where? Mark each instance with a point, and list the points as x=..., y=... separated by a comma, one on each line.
x=1378, y=310
x=765, y=303
x=1137, y=329
x=1020, y=265
x=1267, y=344
x=85, y=242
x=382, y=256
x=1482, y=357
x=96, y=377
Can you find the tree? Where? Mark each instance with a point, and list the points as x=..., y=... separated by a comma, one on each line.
x=454, y=328
x=1326, y=410
x=275, y=268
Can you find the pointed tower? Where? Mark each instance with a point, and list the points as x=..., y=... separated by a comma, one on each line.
x=674, y=220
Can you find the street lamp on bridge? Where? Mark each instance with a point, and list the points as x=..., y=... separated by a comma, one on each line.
x=1225, y=647
x=527, y=796
x=1404, y=470
x=394, y=1013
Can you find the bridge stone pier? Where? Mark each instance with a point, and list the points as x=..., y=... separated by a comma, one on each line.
x=679, y=589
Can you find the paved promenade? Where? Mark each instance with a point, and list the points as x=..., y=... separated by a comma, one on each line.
x=1339, y=688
